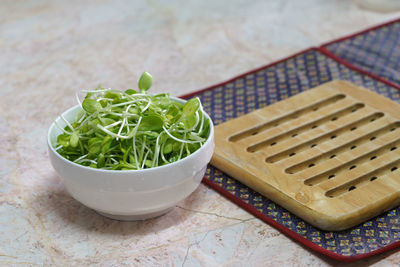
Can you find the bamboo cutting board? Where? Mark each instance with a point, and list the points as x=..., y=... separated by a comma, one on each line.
x=330, y=155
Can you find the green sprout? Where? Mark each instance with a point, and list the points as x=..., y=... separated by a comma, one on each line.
x=132, y=130
x=145, y=81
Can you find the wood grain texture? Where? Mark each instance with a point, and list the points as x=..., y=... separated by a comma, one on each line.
x=330, y=155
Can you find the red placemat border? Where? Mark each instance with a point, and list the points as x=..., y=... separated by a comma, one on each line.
x=293, y=234
x=247, y=73
x=327, y=53
x=264, y=217
x=323, y=49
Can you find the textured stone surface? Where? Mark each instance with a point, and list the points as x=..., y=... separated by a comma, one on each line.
x=51, y=50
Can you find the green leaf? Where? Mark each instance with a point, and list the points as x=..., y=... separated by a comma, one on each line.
x=191, y=106
x=74, y=140
x=188, y=116
x=112, y=95
x=189, y=120
x=91, y=105
x=145, y=81
x=95, y=145
x=206, y=129
x=173, y=158
x=176, y=146
x=131, y=92
x=148, y=163
x=173, y=113
x=133, y=110
x=161, y=95
x=152, y=122
x=167, y=148
x=64, y=140
x=132, y=159
x=106, y=121
x=193, y=147
x=101, y=160
x=88, y=95
x=106, y=144
x=126, y=154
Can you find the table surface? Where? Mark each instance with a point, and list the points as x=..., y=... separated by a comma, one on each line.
x=50, y=51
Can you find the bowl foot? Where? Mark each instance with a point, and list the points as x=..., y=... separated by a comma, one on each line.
x=137, y=217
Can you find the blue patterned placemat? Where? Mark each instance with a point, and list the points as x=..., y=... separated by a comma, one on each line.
x=277, y=82
x=376, y=51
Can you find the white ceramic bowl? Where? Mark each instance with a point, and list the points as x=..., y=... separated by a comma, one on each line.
x=131, y=194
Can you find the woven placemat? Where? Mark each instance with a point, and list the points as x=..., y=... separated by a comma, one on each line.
x=375, y=50
x=268, y=85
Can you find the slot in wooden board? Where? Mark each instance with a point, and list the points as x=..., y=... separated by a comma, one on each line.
x=330, y=155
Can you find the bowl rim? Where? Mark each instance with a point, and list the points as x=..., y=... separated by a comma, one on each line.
x=209, y=140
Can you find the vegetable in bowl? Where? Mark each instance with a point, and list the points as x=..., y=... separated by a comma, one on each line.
x=132, y=130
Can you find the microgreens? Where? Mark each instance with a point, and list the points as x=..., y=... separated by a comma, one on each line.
x=132, y=130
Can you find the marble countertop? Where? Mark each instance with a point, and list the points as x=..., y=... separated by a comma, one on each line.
x=51, y=50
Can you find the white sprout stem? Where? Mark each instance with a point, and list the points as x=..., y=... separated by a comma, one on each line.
x=82, y=117
x=62, y=129
x=113, y=160
x=156, y=151
x=197, y=120
x=106, y=168
x=144, y=158
x=181, y=150
x=162, y=153
x=131, y=115
x=147, y=106
x=126, y=118
x=122, y=126
x=143, y=147
x=202, y=119
x=78, y=159
x=112, y=124
x=191, y=129
x=67, y=123
x=111, y=133
x=126, y=103
x=87, y=118
x=195, y=137
x=88, y=160
x=57, y=148
x=127, y=114
x=89, y=132
x=135, y=95
x=146, y=147
x=179, y=140
x=127, y=108
x=115, y=113
x=77, y=99
x=91, y=115
x=134, y=141
x=104, y=98
x=187, y=149
x=112, y=155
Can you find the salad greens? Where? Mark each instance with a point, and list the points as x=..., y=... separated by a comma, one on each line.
x=132, y=130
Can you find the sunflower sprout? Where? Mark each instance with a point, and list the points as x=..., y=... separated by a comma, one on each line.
x=131, y=130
